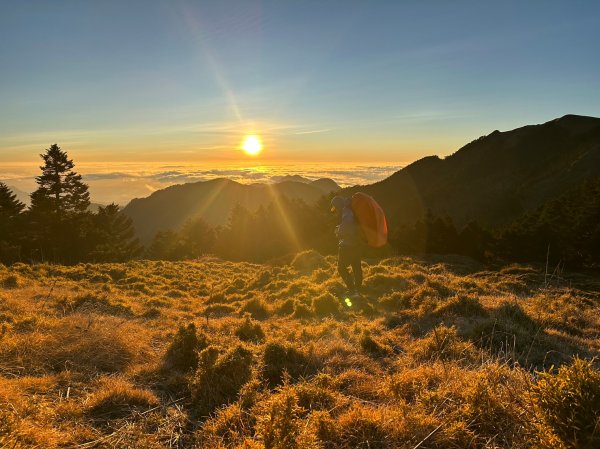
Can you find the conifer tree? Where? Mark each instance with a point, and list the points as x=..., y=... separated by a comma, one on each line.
x=58, y=216
x=10, y=206
x=61, y=191
x=10, y=214
x=116, y=241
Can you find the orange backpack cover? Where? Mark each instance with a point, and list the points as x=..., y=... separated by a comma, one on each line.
x=371, y=218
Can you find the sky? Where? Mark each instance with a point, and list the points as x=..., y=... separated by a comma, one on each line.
x=351, y=82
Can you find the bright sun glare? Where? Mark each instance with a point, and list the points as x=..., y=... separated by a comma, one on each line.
x=252, y=145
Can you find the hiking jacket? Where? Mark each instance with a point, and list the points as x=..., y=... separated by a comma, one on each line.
x=347, y=232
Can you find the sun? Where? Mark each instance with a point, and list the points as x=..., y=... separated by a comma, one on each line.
x=252, y=145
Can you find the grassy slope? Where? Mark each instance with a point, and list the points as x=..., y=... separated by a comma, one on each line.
x=439, y=346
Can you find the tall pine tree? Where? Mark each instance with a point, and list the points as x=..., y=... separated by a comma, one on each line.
x=58, y=215
x=61, y=191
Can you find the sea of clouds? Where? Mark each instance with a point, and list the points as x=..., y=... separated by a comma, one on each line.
x=128, y=182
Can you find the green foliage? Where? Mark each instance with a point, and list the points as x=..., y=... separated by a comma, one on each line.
x=566, y=228
x=569, y=402
x=219, y=378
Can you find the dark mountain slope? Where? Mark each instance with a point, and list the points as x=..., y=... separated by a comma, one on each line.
x=497, y=177
x=213, y=201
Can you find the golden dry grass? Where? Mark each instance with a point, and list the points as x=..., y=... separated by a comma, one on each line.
x=440, y=353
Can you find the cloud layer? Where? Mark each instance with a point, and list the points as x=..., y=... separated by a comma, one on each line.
x=122, y=185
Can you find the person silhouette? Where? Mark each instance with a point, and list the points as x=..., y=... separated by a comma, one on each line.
x=349, y=244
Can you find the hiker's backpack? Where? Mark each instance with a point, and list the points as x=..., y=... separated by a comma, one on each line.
x=371, y=219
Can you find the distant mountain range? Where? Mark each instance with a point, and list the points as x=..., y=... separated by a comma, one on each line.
x=497, y=177
x=493, y=180
x=213, y=201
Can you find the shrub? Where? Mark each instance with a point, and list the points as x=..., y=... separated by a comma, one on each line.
x=280, y=358
x=309, y=261
x=228, y=426
x=182, y=353
x=219, y=378
x=117, y=398
x=569, y=402
x=315, y=397
x=12, y=281
x=250, y=330
x=286, y=308
x=280, y=427
x=325, y=305
x=256, y=308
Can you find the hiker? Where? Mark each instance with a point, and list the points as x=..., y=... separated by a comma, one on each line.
x=350, y=243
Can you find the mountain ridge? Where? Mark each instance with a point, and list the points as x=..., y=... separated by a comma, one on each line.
x=496, y=177
x=213, y=201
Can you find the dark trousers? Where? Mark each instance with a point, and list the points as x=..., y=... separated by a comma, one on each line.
x=349, y=256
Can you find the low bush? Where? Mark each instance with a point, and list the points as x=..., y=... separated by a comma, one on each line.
x=219, y=378
x=325, y=305
x=182, y=353
x=256, y=308
x=309, y=261
x=569, y=403
x=280, y=358
x=250, y=330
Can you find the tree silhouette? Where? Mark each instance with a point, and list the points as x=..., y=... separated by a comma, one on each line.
x=115, y=236
x=61, y=191
x=10, y=214
x=58, y=217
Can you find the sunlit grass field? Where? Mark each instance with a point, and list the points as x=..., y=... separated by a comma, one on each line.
x=440, y=353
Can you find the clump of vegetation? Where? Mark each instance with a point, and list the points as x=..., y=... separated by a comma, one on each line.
x=250, y=330
x=12, y=281
x=99, y=304
x=569, y=403
x=256, y=308
x=279, y=426
x=325, y=305
x=443, y=356
x=308, y=261
x=373, y=347
x=117, y=398
x=182, y=353
x=442, y=343
x=281, y=359
x=219, y=377
x=302, y=311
